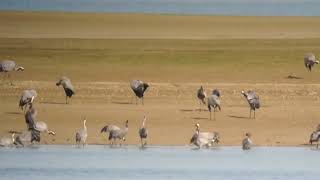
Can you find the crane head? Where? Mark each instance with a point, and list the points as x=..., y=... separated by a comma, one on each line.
x=20, y=68
x=197, y=125
x=104, y=129
x=248, y=134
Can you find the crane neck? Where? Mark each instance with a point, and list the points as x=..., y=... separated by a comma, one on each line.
x=144, y=122
x=198, y=130
x=84, y=125
x=12, y=138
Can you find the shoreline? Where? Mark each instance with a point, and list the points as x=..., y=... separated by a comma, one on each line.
x=178, y=146
x=148, y=13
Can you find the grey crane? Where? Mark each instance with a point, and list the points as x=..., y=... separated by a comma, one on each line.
x=116, y=133
x=43, y=127
x=7, y=66
x=82, y=134
x=67, y=86
x=27, y=137
x=35, y=126
x=310, y=61
x=27, y=98
x=7, y=141
x=143, y=132
x=253, y=100
x=315, y=136
x=214, y=102
x=30, y=118
x=139, y=88
x=204, y=139
x=201, y=94
x=247, y=142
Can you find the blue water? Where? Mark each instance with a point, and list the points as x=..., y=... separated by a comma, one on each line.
x=198, y=7
x=99, y=162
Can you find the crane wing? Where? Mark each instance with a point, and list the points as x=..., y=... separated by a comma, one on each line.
x=41, y=126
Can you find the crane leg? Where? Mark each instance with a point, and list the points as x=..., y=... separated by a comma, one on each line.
x=210, y=114
x=9, y=79
x=200, y=106
x=3, y=78
x=142, y=101
x=254, y=114
x=214, y=113
x=136, y=100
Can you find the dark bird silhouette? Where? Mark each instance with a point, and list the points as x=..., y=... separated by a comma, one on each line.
x=139, y=88
x=253, y=100
x=67, y=86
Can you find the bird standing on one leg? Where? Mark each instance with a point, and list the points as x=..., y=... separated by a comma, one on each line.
x=139, y=87
x=143, y=132
x=67, y=86
x=8, y=66
x=201, y=94
x=253, y=100
x=214, y=102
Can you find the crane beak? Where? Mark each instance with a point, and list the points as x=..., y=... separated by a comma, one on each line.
x=32, y=98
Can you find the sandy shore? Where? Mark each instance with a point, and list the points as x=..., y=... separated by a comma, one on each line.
x=101, y=53
x=289, y=112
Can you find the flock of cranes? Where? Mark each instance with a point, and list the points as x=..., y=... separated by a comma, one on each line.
x=199, y=139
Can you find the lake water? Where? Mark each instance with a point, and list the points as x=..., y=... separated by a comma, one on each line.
x=197, y=7
x=130, y=162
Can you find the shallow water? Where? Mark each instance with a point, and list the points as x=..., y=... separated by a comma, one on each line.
x=211, y=7
x=130, y=162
